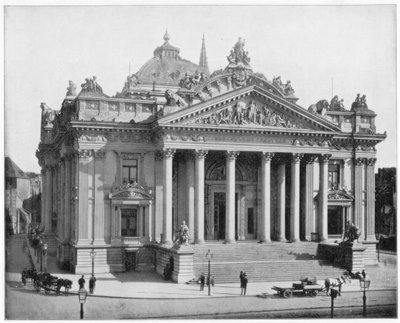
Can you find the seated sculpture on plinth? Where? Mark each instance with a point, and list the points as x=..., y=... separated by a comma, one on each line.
x=182, y=235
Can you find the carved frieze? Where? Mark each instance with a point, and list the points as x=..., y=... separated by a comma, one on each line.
x=250, y=113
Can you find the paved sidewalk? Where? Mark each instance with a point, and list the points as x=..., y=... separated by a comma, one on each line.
x=151, y=285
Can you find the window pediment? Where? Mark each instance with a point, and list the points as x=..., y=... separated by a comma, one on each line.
x=129, y=191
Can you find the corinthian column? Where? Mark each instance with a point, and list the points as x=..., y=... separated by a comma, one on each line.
x=265, y=232
x=190, y=194
x=295, y=198
x=199, y=200
x=168, y=155
x=67, y=198
x=281, y=205
x=323, y=197
x=230, y=196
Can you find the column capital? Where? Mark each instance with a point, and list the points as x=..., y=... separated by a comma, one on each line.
x=168, y=152
x=267, y=155
x=324, y=158
x=370, y=161
x=296, y=158
x=84, y=153
x=232, y=155
x=359, y=161
x=99, y=154
x=158, y=155
x=200, y=154
x=310, y=159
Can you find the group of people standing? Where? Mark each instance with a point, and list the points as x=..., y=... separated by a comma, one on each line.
x=203, y=281
x=92, y=283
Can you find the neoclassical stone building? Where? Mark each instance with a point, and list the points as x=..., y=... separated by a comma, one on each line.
x=230, y=152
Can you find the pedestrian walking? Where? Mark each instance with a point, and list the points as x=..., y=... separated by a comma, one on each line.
x=81, y=282
x=92, y=284
x=244, y=284
x=202, y=281
x=212, y=281
x=241, y=277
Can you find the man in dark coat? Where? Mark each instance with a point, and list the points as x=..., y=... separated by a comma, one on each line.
x=244, y=284
x=92, y=284
x=202, y=281
x=81, y=282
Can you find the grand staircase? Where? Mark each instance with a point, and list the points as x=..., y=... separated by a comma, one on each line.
x=276, y=261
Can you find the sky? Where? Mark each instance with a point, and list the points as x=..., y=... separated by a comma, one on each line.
x=323, y=50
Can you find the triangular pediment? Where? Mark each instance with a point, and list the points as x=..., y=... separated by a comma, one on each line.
x=339, y=194
x=246, y=107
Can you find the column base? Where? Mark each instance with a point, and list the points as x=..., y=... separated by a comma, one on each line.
x=169, y=242
x=265, y=241
x=281, y=239
x=199, y=242
x=295, y=239
x=230, y=241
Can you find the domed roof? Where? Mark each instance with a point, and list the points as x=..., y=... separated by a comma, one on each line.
x=166, y=67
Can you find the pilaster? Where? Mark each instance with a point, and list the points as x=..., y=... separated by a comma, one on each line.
x=358, y=195
x=323, y=197
x=98, y=218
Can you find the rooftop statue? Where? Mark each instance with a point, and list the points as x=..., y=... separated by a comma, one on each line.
x=288, y=88
x=360, y=102
x=190, y=81
x=48, y=115
x=336, y=104
x=319, y=108
x=71, y=89
x=238, y=55
x=174, y=99
x=91, y=85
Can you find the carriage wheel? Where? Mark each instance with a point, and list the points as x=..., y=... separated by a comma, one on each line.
x=313, y=293
x=46, y=290
x=36, y=285
x=66, y=290
x=287, y=293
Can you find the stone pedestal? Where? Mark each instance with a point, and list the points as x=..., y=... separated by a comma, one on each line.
x=354, y=257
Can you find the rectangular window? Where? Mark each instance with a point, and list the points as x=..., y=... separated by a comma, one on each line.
x=129, y=171
x=250, y=220
x=334, y=176
x=129, y=222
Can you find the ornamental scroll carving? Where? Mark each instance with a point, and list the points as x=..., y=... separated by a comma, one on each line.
x=252, y=113
x=232, y=155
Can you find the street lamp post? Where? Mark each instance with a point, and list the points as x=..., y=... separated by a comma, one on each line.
x=82, y=294
x=364, y=284
x=92, y=255
x=208, y=255
x=45, y=257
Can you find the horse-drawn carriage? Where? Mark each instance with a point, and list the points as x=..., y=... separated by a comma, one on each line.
x=305, y=287
x=45, y=281
x=311, y=288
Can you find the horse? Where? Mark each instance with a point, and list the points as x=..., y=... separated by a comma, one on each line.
x=28, y=273
x=336, y=282
x=66, y=283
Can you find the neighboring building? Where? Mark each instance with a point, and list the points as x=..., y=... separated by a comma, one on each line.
x=22, y=198
x=230, y=153
x=385, y=215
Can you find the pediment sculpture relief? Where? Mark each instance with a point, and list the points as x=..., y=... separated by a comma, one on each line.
x=252, y=113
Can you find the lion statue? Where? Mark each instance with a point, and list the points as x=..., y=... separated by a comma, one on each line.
x=319, y=108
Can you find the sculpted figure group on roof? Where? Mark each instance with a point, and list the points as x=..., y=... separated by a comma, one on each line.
x=238, y=54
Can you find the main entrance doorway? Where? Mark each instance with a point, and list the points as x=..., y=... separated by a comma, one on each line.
x=335, y=221
x=220, y=214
